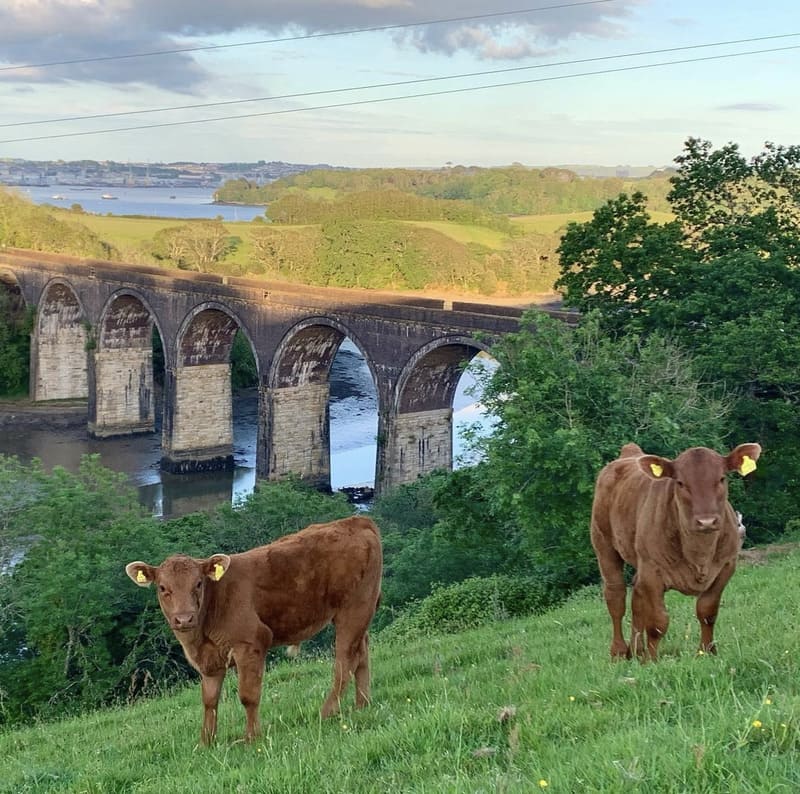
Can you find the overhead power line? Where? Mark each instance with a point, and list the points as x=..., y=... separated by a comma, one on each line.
x=304, y=36
x=396, y=84
x=378, y=100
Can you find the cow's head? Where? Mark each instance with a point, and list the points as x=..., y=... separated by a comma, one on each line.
x=700, y=482
x=180, y=583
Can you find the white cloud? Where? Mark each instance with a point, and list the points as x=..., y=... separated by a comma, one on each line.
x=43, y=31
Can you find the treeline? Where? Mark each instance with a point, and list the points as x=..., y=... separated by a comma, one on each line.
x=395, y=255
x=300, y=207
x=514, y=190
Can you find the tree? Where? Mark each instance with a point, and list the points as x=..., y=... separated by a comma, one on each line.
x=724, y=279
x=193, y=246
x=566, y=400
x=16, y=323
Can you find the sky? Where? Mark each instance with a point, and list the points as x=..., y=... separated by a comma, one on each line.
x=586, y=90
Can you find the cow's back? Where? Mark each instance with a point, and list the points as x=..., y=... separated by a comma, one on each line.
x=299, y=583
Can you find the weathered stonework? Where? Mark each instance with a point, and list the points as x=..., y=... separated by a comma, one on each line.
x=419, y=443
x=299, y=429
x=124, y=393
x=60, y=370
x=202, y=431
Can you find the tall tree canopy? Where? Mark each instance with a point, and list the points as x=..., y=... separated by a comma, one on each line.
x=723, y=279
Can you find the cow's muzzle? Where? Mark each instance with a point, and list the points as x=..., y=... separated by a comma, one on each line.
x=706, y=523
x=184, y=622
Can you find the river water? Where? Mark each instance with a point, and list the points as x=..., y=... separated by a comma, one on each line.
x=162, y=202
x=353, y=400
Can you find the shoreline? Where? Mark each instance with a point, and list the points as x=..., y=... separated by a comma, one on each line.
x=45, y=416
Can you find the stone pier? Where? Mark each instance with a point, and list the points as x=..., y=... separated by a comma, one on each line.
x=416, y=443
x=199, y=433
x=124, y=402
x=297, y=433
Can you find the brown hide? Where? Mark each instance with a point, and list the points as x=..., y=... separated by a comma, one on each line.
x=229, y=610
x=671, y=520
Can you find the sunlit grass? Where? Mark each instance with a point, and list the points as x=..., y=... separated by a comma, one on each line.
x=548, y=224
x=498, y=709
x=466, y=233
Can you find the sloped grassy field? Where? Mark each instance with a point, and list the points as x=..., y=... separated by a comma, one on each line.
x=520, y=706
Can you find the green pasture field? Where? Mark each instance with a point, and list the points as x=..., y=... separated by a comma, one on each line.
x=517, y=707
x=464, y=233
x=548, y=224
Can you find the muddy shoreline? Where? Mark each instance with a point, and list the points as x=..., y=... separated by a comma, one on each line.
x=43, y=416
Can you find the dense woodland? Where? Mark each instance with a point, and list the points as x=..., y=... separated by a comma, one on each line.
x=689, y=335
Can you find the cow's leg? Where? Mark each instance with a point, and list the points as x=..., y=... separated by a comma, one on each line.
x=707, y=608
x=649, y=619
x=362, y=674
x=614, y=590
x=249, y=658
x=210, y=686
x=350, y=657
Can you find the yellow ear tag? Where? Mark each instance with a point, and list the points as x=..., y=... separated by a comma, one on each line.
x=219, y=572
x=140, y=577
x=748, y=465
x=656, y=469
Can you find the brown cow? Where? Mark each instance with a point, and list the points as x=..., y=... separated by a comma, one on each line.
x=229, y=610
x=671, y=520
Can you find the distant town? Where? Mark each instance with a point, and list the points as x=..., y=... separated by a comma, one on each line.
x=107, y=173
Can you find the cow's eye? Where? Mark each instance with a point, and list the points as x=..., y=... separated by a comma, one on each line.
x=199, y=584
x=680, y=483
x=162, y=589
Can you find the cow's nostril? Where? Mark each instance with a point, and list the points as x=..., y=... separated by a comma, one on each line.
x=708, y=522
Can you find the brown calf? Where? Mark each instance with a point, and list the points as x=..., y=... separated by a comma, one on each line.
x=671, y=520
x=229, y=610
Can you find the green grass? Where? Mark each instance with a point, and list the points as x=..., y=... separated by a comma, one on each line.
x=548, y=224
x=465, y=233
x=491, y=710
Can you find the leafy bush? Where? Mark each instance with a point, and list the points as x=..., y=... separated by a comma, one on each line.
x=73, y=634
x=468, y=604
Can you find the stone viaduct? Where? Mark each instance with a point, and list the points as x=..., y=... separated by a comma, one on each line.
x=93, y=333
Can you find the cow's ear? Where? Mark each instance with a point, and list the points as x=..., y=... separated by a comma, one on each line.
x=216, y=565
x=656, y=467
x=743, y=458
x=141, y=573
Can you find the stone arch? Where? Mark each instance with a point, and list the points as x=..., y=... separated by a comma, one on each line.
x=198, y=413
x=121, y=399
x=206, y=335
x=296, y=401
x=428, y=381
x=59, y=347
x=419, y=430
x=10, y=284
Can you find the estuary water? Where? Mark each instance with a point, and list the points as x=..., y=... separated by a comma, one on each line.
x=162, y=202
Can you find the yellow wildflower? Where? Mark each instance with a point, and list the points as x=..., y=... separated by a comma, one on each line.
x=543, y=783
x=756, y=723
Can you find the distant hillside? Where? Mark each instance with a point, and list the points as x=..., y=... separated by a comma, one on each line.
x=514, y=190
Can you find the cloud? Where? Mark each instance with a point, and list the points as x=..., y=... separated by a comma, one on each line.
x=41, y=31
x=758, y=107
